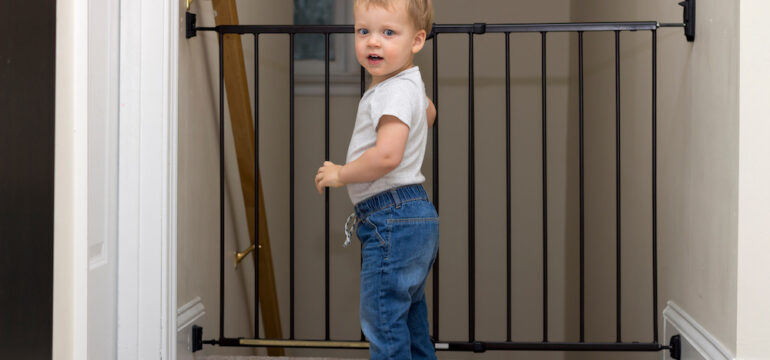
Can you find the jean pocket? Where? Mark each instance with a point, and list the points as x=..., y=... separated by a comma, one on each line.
x=379, y=227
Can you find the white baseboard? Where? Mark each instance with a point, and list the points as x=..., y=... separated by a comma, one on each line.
x=186, y=316
x=694, y=334
x=188, y=313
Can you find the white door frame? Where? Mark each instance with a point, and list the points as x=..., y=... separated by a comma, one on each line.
x=147, y=186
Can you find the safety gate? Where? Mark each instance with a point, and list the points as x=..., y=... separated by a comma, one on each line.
x=472, y=30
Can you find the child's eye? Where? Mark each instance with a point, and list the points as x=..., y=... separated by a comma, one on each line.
x=363, y=31
x=389, y=32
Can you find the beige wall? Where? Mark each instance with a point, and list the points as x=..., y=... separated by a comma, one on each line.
x=698, y=131
x=697, y=169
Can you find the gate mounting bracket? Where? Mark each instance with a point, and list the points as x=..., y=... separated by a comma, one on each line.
x=675, y=347
x=688, y=18
x=197, y=339
x=190, y=20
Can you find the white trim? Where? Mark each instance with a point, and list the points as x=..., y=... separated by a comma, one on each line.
x=169, y=298
x=70, y=305
x=100, y=260
x=80, y=176
x=695, y=334
x=147, y=180
x=188, y=313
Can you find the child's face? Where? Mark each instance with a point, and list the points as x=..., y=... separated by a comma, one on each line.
x=386, y=39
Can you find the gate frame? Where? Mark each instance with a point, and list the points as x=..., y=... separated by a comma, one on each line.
x=688, y=25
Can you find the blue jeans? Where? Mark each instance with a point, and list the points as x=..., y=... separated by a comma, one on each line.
x=398, y=231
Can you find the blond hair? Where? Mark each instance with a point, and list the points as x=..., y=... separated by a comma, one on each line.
x=419, y=11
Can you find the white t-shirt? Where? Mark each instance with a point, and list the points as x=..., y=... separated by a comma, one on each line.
x=402, y=96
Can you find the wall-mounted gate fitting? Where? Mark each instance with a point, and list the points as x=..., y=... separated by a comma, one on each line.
x=196, y=341
x=190, y=25
x=675, y=347
x=689, y=19
x=471, y=31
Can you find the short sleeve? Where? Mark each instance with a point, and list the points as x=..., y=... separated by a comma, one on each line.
x=399, y=98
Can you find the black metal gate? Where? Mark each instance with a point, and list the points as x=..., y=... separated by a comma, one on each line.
x=472, y=30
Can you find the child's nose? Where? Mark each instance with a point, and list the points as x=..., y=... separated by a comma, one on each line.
x=374, y=41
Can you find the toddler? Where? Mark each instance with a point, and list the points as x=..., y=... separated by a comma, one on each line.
x=397, y=223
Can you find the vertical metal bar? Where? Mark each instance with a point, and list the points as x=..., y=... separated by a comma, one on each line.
x=582, y=193
x=363, y=90
x=326, y=193
x=221, y=189
x=471, y=201
x=435, y=186
x=655, y=185
x=545, y=192
x=363, y=81
x=256, y=186
x=617, y=179
x=508, y=179
x=291, y=181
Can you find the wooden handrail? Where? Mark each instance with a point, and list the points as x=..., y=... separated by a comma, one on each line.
x=243, y=137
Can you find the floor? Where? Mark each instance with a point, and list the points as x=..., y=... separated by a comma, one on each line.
x=225, y=357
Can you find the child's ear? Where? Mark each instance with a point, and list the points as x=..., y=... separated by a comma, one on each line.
x=419, y=41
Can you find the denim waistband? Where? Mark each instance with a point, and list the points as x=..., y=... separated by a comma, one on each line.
x=393, y=197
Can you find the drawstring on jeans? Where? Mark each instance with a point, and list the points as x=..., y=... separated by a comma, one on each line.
x=350, y=225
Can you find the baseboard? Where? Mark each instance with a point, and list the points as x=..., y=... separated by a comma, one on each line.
x=186, y=316
x=694, y=334
x=188, y=313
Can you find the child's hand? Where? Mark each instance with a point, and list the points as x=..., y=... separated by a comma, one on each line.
x=328, y=175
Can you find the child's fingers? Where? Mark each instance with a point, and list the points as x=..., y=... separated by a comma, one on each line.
x=319, y=183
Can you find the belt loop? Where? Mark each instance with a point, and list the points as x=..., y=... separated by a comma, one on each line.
x=396, y=200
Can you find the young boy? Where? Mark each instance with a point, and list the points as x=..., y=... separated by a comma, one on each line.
x=398, y=225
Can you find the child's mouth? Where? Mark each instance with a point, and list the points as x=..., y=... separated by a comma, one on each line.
x=374, y=59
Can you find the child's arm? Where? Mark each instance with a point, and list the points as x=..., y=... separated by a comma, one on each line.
x=431, y=113
x=374, y=163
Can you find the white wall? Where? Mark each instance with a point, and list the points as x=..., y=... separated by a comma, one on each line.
x=753, y=317
x=143, y=155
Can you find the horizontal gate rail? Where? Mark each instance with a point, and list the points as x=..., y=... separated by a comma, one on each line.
x=470, y=29
x=477, y=28
x=478, y=346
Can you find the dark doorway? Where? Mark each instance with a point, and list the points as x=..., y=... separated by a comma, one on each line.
x=27, y=80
